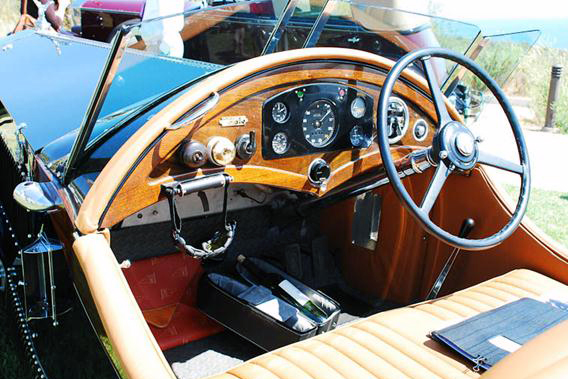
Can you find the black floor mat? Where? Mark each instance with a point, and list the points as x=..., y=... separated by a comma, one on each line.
x=211, y=355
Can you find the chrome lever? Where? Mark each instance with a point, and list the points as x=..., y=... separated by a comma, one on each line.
x=196, y=113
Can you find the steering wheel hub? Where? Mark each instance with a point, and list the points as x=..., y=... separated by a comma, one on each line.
x=458, y=144
x=465, y=144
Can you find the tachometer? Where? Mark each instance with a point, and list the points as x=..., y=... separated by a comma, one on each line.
x=319, y=123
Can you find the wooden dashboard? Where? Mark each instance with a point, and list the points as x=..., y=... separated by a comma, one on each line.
x=162, y=164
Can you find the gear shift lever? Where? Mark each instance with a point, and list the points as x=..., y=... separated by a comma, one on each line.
x=466, y=228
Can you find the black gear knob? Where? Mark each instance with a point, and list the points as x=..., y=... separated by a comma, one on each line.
x=466, y=228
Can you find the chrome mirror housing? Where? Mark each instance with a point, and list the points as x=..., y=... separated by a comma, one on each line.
x=37, y=197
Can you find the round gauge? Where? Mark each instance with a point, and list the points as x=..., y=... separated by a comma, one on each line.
x=359, y=138
x=280, y=112
x=280, y=143
x=358, y=107
x=319, y=124
x=397, y=119
x=420, y=130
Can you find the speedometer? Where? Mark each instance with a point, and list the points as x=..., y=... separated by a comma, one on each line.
x=319, y=123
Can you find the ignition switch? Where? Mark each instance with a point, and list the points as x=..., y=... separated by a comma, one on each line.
x=193, y=154
x=246, y=145
x=319, y=172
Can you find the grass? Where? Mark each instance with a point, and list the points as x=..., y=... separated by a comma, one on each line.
x=548, y=210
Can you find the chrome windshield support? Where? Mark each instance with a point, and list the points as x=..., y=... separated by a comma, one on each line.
x=118, y=46
x=320, y=23
x=278, y=31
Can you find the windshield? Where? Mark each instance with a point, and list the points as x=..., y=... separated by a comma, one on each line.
x=207, y=40
x=160, y=57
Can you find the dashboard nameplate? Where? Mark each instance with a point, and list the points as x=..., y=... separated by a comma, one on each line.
x=233, y=121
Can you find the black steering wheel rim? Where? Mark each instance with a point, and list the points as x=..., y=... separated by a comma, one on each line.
x=384, y=146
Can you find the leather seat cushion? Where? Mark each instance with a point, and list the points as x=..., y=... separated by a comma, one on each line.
x=396, y=344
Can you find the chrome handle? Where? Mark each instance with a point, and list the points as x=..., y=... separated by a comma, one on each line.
x=196, y=113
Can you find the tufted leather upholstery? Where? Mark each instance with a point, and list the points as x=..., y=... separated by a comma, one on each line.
x=395, y=344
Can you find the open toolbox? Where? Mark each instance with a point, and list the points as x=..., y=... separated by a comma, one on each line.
x=254, y=312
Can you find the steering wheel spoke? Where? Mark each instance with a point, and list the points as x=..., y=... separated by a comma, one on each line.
x=436, y=92
x=500, y=163
x=435, y=187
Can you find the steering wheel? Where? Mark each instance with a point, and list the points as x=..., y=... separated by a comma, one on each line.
x=454, y=149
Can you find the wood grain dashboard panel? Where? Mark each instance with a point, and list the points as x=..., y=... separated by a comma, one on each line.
x=161, y=163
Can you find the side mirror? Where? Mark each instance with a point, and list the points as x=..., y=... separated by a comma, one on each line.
x=37, y=197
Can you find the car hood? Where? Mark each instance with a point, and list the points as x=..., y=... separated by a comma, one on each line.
x=48, y=82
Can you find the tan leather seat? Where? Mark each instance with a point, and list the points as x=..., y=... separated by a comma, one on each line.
x=395, y=344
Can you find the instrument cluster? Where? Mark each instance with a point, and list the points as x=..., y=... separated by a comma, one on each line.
x=316, y=118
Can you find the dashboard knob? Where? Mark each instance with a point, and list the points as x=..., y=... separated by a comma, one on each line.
x=319, y=172
x=193, y=154
x=221, y=151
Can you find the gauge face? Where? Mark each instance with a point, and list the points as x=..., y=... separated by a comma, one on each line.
x=397, y=119
x=280, y=143
x=359, y=138
x=319, y=123
x=358, y=107
x=280, y=112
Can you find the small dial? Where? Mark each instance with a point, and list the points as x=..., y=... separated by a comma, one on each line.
x=280, y=143
x=358, y=107
x=359, y=138
x=319, y=123
x=397, y=119
x=420, y=130
x=280, y=112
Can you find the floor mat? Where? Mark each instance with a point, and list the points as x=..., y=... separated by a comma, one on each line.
x=165, y=288
x=211, y=355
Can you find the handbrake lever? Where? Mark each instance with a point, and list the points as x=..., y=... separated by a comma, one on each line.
x=466, y=228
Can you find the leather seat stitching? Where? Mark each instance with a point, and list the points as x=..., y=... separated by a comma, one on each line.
x=346, y=356
x=490, y=289
x=328, y=365
x=482, y=294
x=299, y=347
x=384, y=359
x=421, y=309
x=421, y=347
x=277, y=353
x=469, y=298
x=404, y=354
x=517, y=287
x=275, y=373
x=452, y=310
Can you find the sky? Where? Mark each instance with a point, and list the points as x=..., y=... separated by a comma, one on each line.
x=503, y=9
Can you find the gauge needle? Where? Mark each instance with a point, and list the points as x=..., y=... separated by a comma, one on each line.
x=325, y=115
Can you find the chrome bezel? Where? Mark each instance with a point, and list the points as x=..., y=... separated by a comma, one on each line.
x=364, y=107
x=420, y=121
x=398, y=100
x=335, y=124
x=287, y=143
x=286, y=116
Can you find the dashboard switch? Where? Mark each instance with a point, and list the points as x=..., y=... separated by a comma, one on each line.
x=319, y=172
x=246, y=145
x=193, y=154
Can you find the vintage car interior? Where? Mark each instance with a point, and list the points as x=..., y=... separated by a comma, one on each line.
x=345, y=171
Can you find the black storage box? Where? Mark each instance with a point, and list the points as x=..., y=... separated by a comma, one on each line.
x=270, y=323
x=324, y=302
x=218, y=298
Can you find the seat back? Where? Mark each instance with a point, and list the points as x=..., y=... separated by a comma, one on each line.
x=546, y=356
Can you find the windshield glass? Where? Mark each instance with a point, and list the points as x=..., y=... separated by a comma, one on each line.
x=167, y=52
